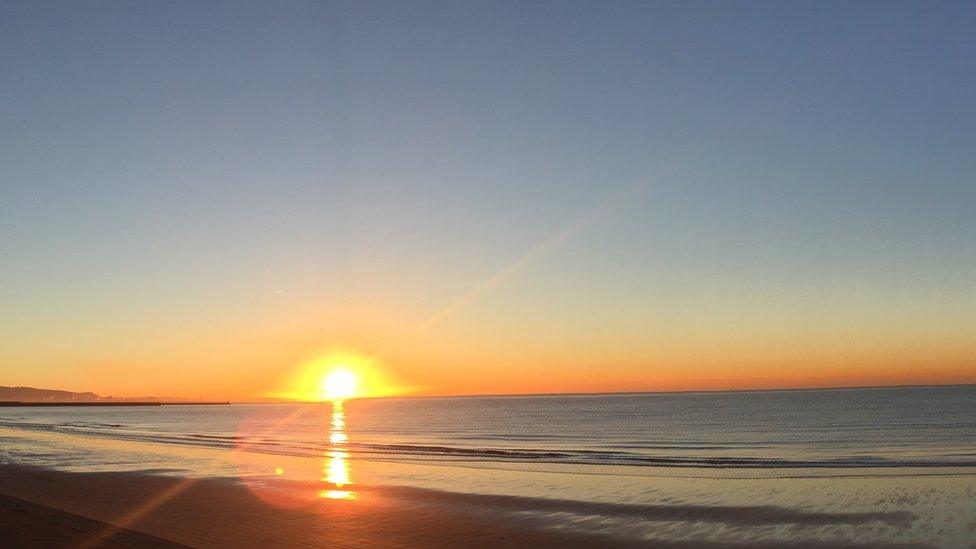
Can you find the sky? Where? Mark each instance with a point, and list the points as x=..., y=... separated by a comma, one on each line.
x=196, y=199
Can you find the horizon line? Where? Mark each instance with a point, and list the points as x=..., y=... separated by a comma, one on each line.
x=620, y=393
x=271, y=400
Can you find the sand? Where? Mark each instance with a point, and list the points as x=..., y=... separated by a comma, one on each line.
x=26, y=524
x=57, y=509
x=44, y=508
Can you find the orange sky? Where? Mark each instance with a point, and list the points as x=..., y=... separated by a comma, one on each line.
x=475, y=352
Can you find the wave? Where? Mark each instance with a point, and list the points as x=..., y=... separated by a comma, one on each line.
x=678, y=455
x=594, y=457
x=744, y=515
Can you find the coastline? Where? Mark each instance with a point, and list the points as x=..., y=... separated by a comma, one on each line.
x=498, y=473
x=20, y=404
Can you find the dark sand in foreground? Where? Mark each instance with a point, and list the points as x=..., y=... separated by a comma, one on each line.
x=45, y=508
x=26, y=524
x=57, y=509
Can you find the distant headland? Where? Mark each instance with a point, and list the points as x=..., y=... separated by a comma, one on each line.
x=31, y=396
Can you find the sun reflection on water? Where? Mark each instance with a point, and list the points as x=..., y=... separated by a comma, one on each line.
x=335, y=465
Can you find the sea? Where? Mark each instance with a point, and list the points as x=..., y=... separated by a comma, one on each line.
x=907, y=451
x=846, y=428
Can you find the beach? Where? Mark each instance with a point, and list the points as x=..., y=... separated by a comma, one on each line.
x=827, y=468
x=58, y=509
x=86, y=509
x=26, y=524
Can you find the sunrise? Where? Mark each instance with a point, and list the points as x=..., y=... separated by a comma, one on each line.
x=487, y=274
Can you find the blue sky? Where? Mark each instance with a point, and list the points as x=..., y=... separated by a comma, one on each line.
x=171, y=164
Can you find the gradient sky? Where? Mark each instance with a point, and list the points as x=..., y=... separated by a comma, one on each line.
x=195, y=197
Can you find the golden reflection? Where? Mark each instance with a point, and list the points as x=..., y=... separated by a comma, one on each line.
x=336, y=466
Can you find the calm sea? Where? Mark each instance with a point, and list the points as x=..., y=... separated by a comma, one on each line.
x=901, y=427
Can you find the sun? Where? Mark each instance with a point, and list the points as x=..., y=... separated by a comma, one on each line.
x=334, y=376
x=339, y=384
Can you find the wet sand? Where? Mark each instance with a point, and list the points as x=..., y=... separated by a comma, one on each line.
x=57, y=509
x=44, y=508
x=26, y=524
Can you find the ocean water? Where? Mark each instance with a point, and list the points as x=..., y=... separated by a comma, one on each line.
x=856, y=428
x=859, y=466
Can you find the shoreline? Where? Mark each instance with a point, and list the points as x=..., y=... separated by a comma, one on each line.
x=453, y=474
